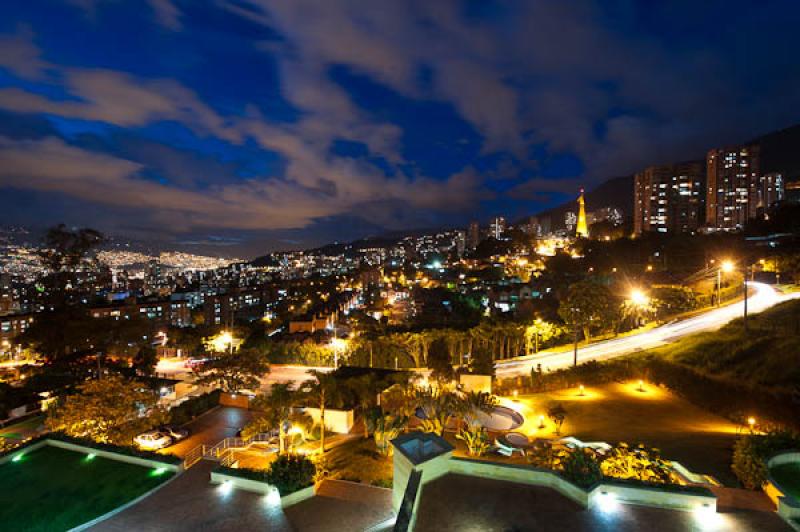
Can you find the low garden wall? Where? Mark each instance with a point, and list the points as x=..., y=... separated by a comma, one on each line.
x=238, y=480
x=424, y=470
x=105, y=451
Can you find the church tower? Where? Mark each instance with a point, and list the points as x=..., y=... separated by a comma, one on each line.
x=582, y=230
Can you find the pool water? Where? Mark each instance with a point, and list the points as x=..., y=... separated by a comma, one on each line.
x=787, y=477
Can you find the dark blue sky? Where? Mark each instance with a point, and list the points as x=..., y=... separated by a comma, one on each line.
x=242, y=126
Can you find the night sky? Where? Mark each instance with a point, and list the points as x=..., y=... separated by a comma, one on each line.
x=242, y=126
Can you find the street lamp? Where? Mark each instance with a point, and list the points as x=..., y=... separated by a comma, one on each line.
x=338, y=345
x=639, y=301
x=727, y=267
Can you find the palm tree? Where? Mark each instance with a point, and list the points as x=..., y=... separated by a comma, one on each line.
x=473, y=402
x=323, y=388
x=271, y=409
x=365, y=388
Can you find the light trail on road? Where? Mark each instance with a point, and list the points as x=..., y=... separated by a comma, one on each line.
x=764, y=297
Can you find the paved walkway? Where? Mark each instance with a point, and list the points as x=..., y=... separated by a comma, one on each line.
x=211, y=428
x=341, y=505
x=192, y=503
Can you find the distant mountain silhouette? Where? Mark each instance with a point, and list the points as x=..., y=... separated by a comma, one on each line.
x=616, y=192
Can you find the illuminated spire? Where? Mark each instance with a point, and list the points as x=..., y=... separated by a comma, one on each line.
x=582, y=229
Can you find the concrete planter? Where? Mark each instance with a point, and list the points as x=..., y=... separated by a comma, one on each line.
x=263, y=488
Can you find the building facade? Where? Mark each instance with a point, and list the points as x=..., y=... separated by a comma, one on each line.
x=669, y=198
x=737, y=190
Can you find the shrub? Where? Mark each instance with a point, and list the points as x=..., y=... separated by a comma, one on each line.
x=290, y=473
x=476, y=439
x=639, y=463
x=191, y=408
x=582, y=468
x=751, y=452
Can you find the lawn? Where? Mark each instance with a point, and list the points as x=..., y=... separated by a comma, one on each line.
x=359, y=461
x=618, y=412
x=52, y=489
x=788, y=478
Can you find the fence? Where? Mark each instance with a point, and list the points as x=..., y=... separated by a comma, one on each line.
x=223, y=452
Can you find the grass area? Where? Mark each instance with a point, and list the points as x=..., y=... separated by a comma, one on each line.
x=788, y=478
x=360, y=461
x=51, y=489
x=765, y=355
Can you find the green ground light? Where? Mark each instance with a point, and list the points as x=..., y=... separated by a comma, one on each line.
x=53, y=489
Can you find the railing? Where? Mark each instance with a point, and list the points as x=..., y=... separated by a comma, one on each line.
x=193, y=456
x=222, y=452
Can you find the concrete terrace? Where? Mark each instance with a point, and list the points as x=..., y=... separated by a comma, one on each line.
x=192, y=503
x=470, y=504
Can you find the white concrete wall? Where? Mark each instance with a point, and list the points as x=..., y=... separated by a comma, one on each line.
x=476, y=383
x=655, y=497
x=119, y=457
x=339, y=421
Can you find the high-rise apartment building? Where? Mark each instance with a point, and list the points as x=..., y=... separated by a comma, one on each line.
x=473, y=235
x=497, y=227
x=669, y=198
x=737, y=191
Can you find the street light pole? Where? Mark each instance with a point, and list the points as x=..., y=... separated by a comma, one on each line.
x=745, y=299
x=719, y=285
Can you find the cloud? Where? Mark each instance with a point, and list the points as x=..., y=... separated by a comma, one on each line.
x=123, y=100
x=20, y=55
x=167, y=14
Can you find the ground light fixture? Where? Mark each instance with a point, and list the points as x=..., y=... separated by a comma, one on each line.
x=607, y=502
x=226, y=487
x=90, y=457
x=751, y=422
x=273, y=498
x=582, y=392
x=158, y=471
x=640, y=388
x=541, y=422
x=18, y=457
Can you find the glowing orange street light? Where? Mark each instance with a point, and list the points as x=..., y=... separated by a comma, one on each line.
x=581, y=393
x=639, y=298
x=541, y=422
x=751, y=421
x=641, y=385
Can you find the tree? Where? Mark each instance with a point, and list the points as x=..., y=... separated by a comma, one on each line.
x=439, y=361
x=290, y=473
x=65, y=252
x=384, y=427
x=438, y=406
x=557, y=415
x=365, y=389
x=145, y=360
x=480, y=361
x=271, y=410
x=111, y=410
x=539, y=332
x=322, y=388
x=234, y=371
x=671, y=300
x=588, y=306
x=472, y=403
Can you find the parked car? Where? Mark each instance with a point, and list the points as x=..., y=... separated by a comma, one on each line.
x=153, y=440
x=176, y=433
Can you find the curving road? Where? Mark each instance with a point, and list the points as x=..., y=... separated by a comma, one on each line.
x=761, y=298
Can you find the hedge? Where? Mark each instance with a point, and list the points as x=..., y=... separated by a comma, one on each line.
x=191, y=408
x=119, y=449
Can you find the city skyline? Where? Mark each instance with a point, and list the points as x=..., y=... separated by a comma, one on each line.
x=248, y=127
